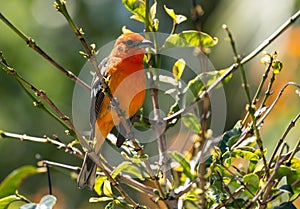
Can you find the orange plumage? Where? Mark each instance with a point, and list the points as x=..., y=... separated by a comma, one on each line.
x=126, y=80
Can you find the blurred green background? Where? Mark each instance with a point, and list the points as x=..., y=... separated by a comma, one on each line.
x=250, y=22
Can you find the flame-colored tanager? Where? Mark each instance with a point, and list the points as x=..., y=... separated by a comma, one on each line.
x=123, y=71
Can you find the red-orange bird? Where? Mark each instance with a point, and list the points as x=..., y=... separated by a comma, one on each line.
x=123, y=69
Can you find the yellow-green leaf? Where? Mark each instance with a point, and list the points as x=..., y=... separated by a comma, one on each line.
x=107, y=191
x=178, y=69
x=99, y=183
x=192, y=122
x=153, y=10
x=189, y=38
x=178, y=157
x=120, y=168
x=177, y=19
x=6, y=201
x=11, y=183
x=277, y=66
x=100, y=199
x=136, y=7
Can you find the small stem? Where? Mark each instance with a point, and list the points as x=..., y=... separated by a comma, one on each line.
x=268, y=92
x=259, y=89
x=281, y=140
x=32, y=44
x=251, y=106
x=234, y=66
x=60, y=145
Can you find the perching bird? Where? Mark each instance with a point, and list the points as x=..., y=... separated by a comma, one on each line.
x=124, y=71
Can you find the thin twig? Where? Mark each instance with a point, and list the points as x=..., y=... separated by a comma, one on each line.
x=261, y=119
x=281, y=140
x=250, y=107
x=61, y=7
x=122, y=178
x=267, y=187
x=259, y=89
x=32, y=44
x=58, y=144
x=234, y=66
x=41, y=94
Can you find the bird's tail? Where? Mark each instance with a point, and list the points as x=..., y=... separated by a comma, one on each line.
x=87, y=175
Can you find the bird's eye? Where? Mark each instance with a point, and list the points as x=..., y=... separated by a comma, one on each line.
x=130, y=43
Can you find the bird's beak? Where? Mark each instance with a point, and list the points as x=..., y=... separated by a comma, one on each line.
x=145, y=43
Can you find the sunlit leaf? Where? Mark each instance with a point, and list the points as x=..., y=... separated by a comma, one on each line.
x=107, y=189
x=189, y=38
x=177, y=19
x=277, y=66
x=178, y=69
x=100, y=199
x=136, y=7
x=6, y=201
x=153, y=10
x=11, y=183
x=98, y=184
x=283, y=170
x=178, y=157
x=134, y=159
x=120, y=168
x=195, y=86
x=191, y=121
x=295, y=175
x=252, y=180
x=129, y=168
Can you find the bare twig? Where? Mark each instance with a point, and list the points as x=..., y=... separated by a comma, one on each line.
x=250, y=107
x=32, y=44
x=234, y=66
x=261, y=119
x=58, y=144
x=122, y=178
x=281, y=140
x=61, y=7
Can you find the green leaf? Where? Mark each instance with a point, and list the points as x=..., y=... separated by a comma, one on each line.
x=107, y=189
x=252, y=180
x=189, y=38
x=47, y=202
x=153, y=10
x=283, y=170
x=136, y=7
x=191, y=121
x=127, y=167
x=99, y=183
x=178, y=69
x=295, y=175
x=119, y=168
x=134, y=159
x=177, y=19
x=195, y=86
x=229, y=137
x=178, y=157
x=11, y=183
x=100, y=199
x=277, y=66
x=285, y=205
x=6, y=201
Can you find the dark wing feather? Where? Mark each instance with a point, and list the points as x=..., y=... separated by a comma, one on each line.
x=97, y=96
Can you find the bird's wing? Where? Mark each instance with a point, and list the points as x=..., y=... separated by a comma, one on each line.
x=97, y=96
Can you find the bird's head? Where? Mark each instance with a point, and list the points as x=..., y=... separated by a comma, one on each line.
x=130, y=44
